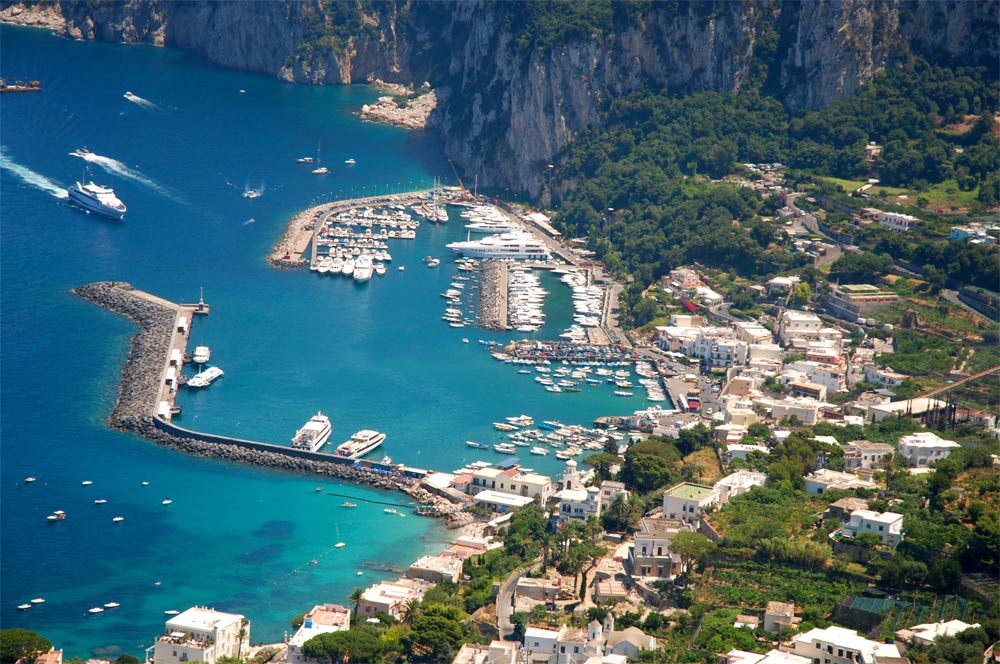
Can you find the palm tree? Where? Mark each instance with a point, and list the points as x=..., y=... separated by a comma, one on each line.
x=355, y=597
x=410, y=611
x=619, y=510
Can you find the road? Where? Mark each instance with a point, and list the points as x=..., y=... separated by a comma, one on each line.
x=505, y=602
x=835, y=250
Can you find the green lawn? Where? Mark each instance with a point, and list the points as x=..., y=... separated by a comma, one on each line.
x=944, y=195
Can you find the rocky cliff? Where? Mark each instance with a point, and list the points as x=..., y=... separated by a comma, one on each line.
x=514, y=94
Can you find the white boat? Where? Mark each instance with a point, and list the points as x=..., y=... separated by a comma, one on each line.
x=95, y=198
x=360, y=444
x=100, y=501
x=202, y=354
x=363, y=268
x=29, y=480
x=313, y=434
x=118, y=519
x=96, y=609
x=390, y=510
x=350, y=161
x=322, y=170
x=305, y=160
x=623, y=393
x=23, y=607
x=171, y=612
x=339, y=545
x=38, y=600
x=348, y=268
x=380, y=269
x=505, y=448
x=87, y=482
x=540, y=451
x=433, y=262
x=111, y=605
x=513, y=245
x=205, y=378
x=478, y=446
x=167, y=501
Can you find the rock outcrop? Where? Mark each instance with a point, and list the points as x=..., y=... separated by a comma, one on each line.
x=508, y=105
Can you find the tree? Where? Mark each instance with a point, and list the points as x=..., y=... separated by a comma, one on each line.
x=357, y=645
x=355, y=598
x=691, y=546
x=410, y=611
x=126, y=658
x=16, y=644
x=801, y=294
x=602, y=463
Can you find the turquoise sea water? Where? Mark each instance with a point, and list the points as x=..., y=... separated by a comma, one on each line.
x=237, y=538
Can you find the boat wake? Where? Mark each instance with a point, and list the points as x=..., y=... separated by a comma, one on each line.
x=139, y=101
x=118, y=168
x=36, y=180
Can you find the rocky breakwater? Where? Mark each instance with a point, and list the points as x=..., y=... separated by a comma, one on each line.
x=493, y=295
x=137, y=393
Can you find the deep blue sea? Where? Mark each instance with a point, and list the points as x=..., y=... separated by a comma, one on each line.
x=238, y=538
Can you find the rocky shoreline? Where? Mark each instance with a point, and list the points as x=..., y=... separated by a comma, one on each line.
x=139, y=385
x=406, y=108
x=42, y=15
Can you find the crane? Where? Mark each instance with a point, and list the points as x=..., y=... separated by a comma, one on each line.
x=465, y=192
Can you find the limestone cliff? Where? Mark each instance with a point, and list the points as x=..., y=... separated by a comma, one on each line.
x=510, y=104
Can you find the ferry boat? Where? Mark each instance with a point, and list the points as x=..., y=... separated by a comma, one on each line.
x=205, y=378
x=313, y=434
x=513, y=245
x=202, y=354
x=95, y=198
x=360, y=444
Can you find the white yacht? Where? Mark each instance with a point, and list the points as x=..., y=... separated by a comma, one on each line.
x=348, y=268
x=493, y=226
x=95, y=198
x=360, y=444
x=313, y=434
x=363, y=268
x=205, y=378
x=202, y=354
x=513, y=245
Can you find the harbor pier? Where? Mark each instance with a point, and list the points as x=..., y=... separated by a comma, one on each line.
x=156, y=353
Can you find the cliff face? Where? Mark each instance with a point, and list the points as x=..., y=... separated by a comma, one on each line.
x=509, y=106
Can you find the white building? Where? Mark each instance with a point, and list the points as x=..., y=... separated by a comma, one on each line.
x=895, y=220
x=824, y=480
x=201, y=634
x=391, y=597
x=798, y=325
x=688, y=502
x=836, y=645
x=804, y=408
x=925, y=634
x=322, y=619
x=924, y=447
x=738, y=483
x=512, y=481
x=579, y=503
x=436, y=569
x=771, y=657
x=498, y=652
x=866, y=454
x=779, y=616
x=887, y=525
x=752, y=332
x=741, y=450
x=600, y=643
x=882, y=377
x=650, y=555
x=831, y=376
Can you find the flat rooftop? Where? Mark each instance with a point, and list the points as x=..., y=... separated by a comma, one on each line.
x=688, y=491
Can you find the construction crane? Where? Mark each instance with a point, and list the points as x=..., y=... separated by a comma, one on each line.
x=465, y=192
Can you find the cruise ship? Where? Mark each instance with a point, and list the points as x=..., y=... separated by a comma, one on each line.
x=514, y=245
x=205, y=378
x=313, y=434
x=95, y=198
x=360, y=444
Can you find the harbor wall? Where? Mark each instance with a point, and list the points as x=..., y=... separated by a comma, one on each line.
x=135, y=409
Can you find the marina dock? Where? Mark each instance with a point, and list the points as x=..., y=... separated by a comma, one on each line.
x=302, y=229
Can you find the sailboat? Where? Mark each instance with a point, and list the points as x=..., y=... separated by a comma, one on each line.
x=319, y=170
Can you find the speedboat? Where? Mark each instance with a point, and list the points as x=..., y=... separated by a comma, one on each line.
x=348, y=503
x=305, y=160
x=322, y=170
x=96, y=609
x=390, y=510
x=118, y=519
x=29, y=480
x=350, y=161
x=167, y=501
x=96, y=198
x=111, y=605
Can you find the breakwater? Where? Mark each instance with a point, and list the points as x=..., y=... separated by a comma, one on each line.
x=140, y=385
x=493, y=295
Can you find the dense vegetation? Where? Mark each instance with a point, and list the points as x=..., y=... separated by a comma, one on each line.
x=637, y=188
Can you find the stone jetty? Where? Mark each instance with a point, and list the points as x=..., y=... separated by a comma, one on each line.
x=493, y=295
x=139, y=388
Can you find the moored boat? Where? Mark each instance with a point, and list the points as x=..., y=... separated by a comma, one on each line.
x=313, y=434
x=205, y=378
x=360, y=444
